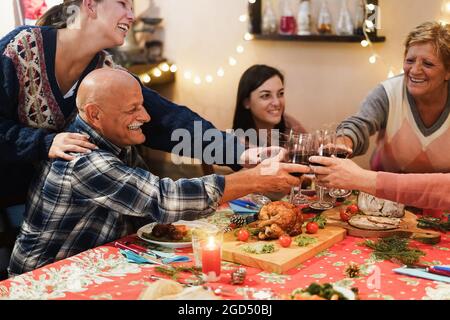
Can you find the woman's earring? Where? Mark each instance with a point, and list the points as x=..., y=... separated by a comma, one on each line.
x=247, y=107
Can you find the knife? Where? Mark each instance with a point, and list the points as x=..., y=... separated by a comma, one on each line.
x=430, y=269
x=442, y=268
x=245, y=204
x=144, y=255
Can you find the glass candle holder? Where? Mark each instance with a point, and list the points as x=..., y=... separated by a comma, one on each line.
x=207, y=249
x=212, y=256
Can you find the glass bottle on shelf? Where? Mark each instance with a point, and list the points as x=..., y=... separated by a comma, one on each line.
x=344, y=26
x=288, y=24
x=269, y=19
x=360, y=17
x=324, y=19
x=304, y=18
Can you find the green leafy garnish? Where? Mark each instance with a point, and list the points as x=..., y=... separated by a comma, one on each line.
x=325, y=291
x=304, y=241
x=320, y=220
x=259, y=248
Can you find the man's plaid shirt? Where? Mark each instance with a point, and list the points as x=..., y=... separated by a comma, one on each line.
x=100, y=197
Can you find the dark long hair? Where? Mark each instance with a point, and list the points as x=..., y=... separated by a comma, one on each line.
x=251, y=80
x=58, y=15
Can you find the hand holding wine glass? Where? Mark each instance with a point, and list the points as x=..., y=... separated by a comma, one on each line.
x=300, y=148
x=324, y=145
x=342, y=151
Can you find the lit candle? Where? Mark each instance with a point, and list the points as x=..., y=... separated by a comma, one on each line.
x=211, y=257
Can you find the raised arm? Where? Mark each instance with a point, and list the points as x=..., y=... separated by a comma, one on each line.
x=430, y=191
x=109, y=183
x=168, y=117
x=371, y=118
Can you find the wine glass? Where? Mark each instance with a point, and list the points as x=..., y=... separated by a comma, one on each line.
x=341, y=151
x=324, y=145
x=299, y=147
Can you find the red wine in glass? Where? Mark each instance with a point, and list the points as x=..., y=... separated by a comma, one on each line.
x=299, y=157
x=342, y=153
x=325, y=152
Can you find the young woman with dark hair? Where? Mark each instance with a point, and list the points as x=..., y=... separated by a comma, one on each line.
x=260, y=103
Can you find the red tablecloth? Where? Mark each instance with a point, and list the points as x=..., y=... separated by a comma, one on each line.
x=103, y=273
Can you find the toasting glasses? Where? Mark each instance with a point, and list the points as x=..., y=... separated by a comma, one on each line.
x=324, y=145
x=300, y=147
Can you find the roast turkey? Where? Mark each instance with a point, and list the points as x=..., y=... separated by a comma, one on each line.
x=278, y=218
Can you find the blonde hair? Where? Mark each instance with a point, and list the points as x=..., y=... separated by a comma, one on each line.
x=58, y=15
x=435, y=33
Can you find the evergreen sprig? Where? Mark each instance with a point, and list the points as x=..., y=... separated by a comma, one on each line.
x=395, y=248
x=174, y=272
x=433, y=223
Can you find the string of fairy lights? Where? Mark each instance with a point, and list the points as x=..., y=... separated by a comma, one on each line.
x=368, y=27
x=220, y=71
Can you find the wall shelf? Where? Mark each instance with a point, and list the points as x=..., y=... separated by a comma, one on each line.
x=255, y=14
x=142, y=69
x=317, y=38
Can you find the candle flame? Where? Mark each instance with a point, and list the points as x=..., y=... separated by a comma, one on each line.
x=211, y=245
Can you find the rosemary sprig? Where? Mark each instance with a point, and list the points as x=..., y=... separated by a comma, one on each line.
x=433, y=223
x=394, y=248
x=174, y=272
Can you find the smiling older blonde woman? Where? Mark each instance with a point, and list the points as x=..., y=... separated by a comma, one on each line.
x=410, y=112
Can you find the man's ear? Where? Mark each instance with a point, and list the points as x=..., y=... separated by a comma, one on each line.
x=93, y=115
x=91, y=7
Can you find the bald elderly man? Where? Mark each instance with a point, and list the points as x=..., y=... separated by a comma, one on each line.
x=106, y=194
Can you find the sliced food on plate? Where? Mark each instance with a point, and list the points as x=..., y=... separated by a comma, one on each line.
x=374, y=223
x=168, y=232
x=173, y=235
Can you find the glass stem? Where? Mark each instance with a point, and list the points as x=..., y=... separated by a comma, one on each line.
x=321, y=192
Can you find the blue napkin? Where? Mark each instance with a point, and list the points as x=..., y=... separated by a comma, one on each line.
x=419, y=273
x=135, y=258
x=168, y=257
x=242, y=210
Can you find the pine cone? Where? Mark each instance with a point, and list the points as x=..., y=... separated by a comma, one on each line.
x=238, y=220
x=227, y=229
x=352, y=270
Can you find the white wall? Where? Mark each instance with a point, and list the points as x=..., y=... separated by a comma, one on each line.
x=7, y=16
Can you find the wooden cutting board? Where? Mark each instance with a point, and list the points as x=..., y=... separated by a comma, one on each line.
x=283, y=259
x=408, y=228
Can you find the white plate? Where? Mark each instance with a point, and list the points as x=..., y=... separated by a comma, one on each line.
x=190, y=224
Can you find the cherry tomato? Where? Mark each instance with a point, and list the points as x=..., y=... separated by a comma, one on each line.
x=312, y=227
x=285, y=240
x=243, y=235
x=353, y=208
x=345, y=215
